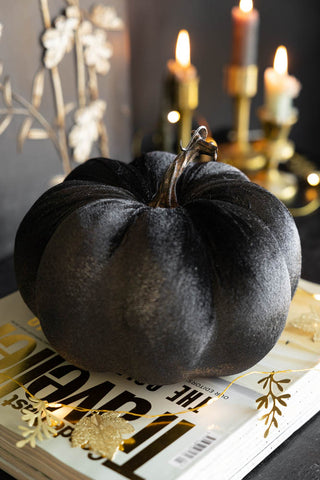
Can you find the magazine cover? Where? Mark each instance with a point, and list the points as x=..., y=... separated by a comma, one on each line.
x=171, y=431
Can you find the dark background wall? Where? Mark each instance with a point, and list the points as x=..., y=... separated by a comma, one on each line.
x=154, y=28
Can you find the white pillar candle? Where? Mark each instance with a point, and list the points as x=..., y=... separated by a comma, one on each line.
x=280, y=89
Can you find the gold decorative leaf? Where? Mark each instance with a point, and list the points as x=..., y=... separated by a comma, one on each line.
x=270, y=384
x=24, y=132
x=41, y=423
x=5, y=123
x=101, y=433
x=7, y=92
x=37, y=134
x=38, y=87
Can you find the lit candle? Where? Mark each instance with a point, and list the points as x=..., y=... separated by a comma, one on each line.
x=183, y=83
x=280, y=89
x=245, y=26
x=181, y=67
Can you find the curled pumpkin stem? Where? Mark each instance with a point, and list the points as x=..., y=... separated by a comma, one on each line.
x=166, y=196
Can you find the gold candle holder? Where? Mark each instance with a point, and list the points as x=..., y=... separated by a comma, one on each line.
x=278, y=148
x=181, y=97
x=241, y=85
x=187, y=101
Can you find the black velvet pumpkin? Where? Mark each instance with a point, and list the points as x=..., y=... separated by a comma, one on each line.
x=161, y=294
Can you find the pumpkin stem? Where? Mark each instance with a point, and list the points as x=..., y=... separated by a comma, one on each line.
x=166, y=195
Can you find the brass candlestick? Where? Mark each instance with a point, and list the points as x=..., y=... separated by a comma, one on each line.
x=241, y=85
x=181, y=96
x=278, y=148
x=187, y=101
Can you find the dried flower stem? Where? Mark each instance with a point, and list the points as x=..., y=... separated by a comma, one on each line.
x=13, y=111
x=81, y=72
x=94, y=95
x=31, y=110
x=45, y=13
x=58, y=94
x=104, y=140
x=93, y=84
x=61, y=119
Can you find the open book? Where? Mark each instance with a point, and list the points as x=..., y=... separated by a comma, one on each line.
x=191, y=444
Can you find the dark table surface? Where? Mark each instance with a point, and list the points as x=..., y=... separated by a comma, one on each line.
x=298, y=458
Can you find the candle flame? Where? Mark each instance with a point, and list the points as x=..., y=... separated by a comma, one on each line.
x=280, y=63
x=246, y=5
x=183, y=48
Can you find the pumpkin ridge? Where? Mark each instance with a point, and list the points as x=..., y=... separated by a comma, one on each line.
x=211, y=186
x=113, y=173
x=29, y=246
x=231, y=207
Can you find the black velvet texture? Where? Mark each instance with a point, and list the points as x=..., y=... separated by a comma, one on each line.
x=159, y=294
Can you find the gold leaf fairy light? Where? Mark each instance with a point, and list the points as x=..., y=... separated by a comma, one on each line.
x=104, y=434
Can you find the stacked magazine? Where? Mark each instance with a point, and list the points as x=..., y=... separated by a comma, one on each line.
x=192, y=441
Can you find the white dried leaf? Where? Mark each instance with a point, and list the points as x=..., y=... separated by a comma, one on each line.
x=86, y=129
x=97, y=51
x=59, y=39
x=106, y=17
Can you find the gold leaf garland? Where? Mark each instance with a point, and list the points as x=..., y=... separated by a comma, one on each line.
x=101, y=433
x=42, y=423
x=270, y=384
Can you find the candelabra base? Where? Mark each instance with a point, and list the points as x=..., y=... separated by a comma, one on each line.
x=243, y=157
x=283, y=185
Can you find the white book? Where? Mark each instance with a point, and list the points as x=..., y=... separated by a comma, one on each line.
x=192, y=444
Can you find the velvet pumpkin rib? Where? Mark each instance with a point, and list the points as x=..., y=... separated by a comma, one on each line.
x=247, y=271
x=113, y=173
x=199, y=177
x=209, y=181
x=42, y=220
x=138, y=289
x=254, y=198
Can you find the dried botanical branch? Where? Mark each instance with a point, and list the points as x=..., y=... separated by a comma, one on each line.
x=38, y=88
x=103, y=139
x=32, y=111
x=81, y=71
x=263, y=401
x=93, y=83
x=94, y=95
x=13, y=111
x=58, y=94
x=5, y=123
x=86, y=31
